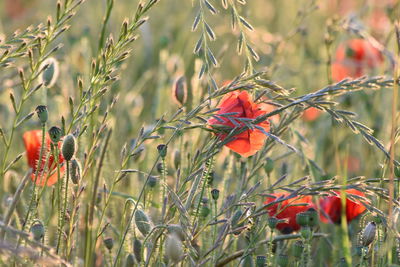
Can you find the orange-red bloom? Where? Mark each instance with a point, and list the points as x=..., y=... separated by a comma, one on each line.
x=311, y=114
x=250, y=141
x=355, y=58
x=331, y=206
x=33, y=142
x=288, y=209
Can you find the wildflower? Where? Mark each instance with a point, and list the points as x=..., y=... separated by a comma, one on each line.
x=311, y=114
x=33, y=141
x=355, y=58
x=331, y=207
x=288, y=210
x=250, y=141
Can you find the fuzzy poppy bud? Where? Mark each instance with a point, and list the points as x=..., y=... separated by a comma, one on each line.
x=282, y=260
x=137, y=249
x=130, y=260
x=49, y=76
x=298, y=248
x=162, y=150
x=55, y=134
x=205, y=211
x=173, y=248
x=302, y=219
x=68, y=147
x=269, y=165
x=313, y=217
x=177, y=230
x=177, y=159
x=108, y=243
x=152, y=182
x=37, y=231
x=368, y=234
x=75, y=171
x=143, y=222
x=215, y=194
x=272, y=222
x=261, y=260
x=179, y=90
x=397, y=171
x=42, y=114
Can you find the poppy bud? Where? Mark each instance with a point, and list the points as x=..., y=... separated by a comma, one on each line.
x=397, y=171
x=177, y=230
x=137, y=249
x=159, y=167
x=75, y=171
x=313, y=217
x=205, y=211
x=143, y=222
x=269, y=165
x=282, y=260
x=55, y=134
x=68, y=147
x=261, y=261
x=173, y=248
x=179, y=90
x=272, y=222
x=210, y=178
x=368, y=235
x=177, y=159
x=302, y=219
x=162, y=150
x=49, y=76
x=152, y=182
x=130, y=260
x=108, y=243
x=298, y=248
x=37, y=231
x=215, y=194
x=247, y=261
x=305, y=233
x=41, y=111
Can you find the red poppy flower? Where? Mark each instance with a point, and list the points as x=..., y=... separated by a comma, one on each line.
x=250, y=141
x=288, y=209
x=33, y=143
x=311, y=114
x=355, y=58
x=332, y=207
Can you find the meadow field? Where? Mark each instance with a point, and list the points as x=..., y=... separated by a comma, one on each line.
x=199, y=133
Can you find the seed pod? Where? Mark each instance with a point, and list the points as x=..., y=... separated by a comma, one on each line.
x=261, y=260
x=75, y=171
x=302, y=219
x=282, y=260
x=313, y=217
x=49, y=76
x=55, y=134
x=215, y=194
x=130, y=260
x=173, y=248
x=143, y=222
x=137, y=249
x=37, y=230
x=297, y=249
x=369, y=234
x=68, y=147
x=152, y=182
x=177, y=159
x=42, y=113
x=269, y=165
x=179, y=90
x=162, y=150
x=108, y=243
x=272, y=222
